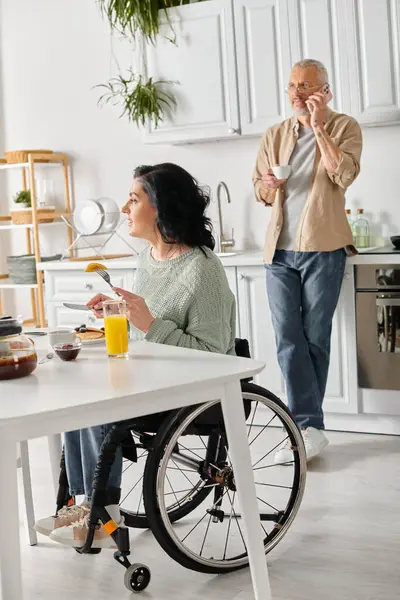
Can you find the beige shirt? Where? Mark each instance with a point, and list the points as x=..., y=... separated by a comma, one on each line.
x=323, y=224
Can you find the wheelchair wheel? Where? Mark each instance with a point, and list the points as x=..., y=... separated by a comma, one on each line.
x=178, y=504
x=210, y=539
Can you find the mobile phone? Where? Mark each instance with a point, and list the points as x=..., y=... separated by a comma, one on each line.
x=325, y=89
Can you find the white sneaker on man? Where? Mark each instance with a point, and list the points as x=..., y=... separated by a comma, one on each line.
x=314, y=441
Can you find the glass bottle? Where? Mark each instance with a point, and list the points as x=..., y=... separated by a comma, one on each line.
x=361, y=230
x=350, y=219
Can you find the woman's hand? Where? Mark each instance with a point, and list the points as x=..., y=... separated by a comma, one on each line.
x=95, y=304
x=137, y=310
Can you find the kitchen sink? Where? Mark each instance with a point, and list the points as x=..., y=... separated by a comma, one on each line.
x=226, y=254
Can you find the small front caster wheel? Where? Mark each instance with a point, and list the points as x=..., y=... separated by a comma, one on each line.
x=137, y=578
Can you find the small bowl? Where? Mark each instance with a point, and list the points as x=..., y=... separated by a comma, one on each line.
x=68, y=351
x=395, y=239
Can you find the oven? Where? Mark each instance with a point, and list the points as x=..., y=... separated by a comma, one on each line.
x=378, y=326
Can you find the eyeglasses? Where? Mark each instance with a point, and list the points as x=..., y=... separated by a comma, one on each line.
x=303, y=88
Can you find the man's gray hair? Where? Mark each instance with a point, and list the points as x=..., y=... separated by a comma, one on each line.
x=311, y=62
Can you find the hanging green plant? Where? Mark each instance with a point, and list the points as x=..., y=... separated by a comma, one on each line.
x=131, y=17
x=141, y=99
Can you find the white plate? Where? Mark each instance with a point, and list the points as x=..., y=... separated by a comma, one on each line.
x=93, y=342
x=112, y=214
x=88, y=217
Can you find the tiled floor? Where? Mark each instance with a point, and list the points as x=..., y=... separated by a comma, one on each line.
x=343, y=545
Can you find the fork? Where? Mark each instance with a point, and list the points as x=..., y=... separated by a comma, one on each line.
x=105, y=276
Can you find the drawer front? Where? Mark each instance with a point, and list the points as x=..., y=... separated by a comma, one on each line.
x=60, y=316
x=72, y=286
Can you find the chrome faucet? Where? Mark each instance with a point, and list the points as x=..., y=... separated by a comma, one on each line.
x=224, y=244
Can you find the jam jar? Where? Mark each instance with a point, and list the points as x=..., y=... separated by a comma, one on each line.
x=17, y=352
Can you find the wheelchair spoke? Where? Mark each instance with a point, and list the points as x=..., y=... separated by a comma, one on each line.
x=197, y=524
x=172, y=489
x=263, y=429
x=236, y=519
x=270, y=452
x=252, y=419
x=189, y=450
x=284, y=464
x=283, y=487
x=205, y=535
x=267, y=503
x=131, y=490
x=183, y=471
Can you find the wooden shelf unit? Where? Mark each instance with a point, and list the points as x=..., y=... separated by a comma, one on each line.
x=32, y=230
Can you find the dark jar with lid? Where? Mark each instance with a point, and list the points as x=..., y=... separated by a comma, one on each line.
x=17, y=352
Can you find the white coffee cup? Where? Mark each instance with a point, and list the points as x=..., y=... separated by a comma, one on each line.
x=282, y=171
x=62, y=336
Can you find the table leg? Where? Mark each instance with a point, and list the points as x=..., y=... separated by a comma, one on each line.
x=10, y=558
x=55, y=448
x=232, y=406
x=26, y=479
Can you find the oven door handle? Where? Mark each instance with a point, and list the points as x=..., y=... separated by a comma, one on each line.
x=388, y=302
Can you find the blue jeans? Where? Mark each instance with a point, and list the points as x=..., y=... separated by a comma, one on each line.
x=303, y=292
x=82, y=448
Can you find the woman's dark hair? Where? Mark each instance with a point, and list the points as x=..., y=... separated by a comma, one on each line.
x=180, y=203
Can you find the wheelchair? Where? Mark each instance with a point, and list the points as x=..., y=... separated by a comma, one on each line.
x=179, y=482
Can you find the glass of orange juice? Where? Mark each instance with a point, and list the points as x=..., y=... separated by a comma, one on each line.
x=116, y=328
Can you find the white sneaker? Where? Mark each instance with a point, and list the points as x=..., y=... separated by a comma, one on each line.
x=284, y=456
x=65, y=516
x=314, y=441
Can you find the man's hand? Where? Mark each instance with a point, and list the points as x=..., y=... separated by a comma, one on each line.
x=270, y=181
x=317, y=104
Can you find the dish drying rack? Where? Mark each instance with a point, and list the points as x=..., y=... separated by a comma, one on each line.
x=86, y=241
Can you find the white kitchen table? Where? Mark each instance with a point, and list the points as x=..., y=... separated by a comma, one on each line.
x=63, y=396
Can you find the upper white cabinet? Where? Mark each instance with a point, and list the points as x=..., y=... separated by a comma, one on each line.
x=202, y=65
x=317, y=30
x=232, y=59
x=263, y=61
x=374, y=53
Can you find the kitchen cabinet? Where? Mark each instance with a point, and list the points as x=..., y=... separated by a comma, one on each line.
x=256, y=326
x=263, y=62
x=60, y=316
x=232, y=59
x=231, y=274
x=202, y=65
x=373, y=32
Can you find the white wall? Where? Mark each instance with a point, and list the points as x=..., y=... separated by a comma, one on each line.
x=54, y=52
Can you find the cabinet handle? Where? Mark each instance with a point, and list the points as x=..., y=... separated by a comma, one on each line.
x=87, y=285
x=234, y=131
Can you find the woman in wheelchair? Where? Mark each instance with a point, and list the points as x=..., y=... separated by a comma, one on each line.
x=181, y=297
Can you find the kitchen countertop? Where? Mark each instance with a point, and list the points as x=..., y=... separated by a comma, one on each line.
x=241, y=259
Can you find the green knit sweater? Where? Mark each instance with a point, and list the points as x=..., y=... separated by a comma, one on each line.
x=190, y=297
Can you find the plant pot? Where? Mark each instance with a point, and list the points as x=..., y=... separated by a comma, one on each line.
x=23, y=216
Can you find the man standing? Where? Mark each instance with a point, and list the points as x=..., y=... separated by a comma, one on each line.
x=307, y=240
